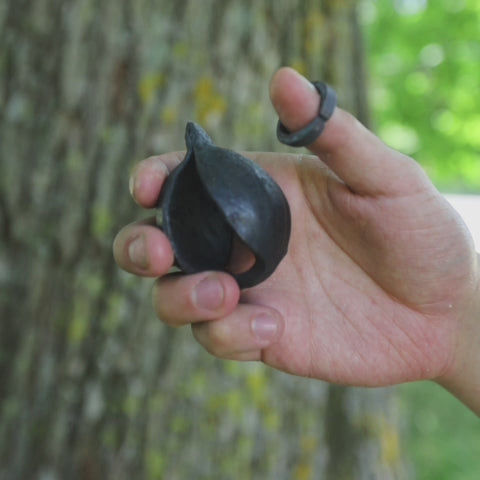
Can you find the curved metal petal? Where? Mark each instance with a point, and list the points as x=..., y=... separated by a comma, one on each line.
x=214, y=194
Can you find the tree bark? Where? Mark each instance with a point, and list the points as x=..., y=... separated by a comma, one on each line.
x=92, y=386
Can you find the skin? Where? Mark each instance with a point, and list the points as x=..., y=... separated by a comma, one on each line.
x=381, y=282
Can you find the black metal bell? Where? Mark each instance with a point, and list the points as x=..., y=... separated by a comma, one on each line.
x=214, y=195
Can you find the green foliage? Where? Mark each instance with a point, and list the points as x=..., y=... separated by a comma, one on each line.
x=442, y=435
x=424, y=72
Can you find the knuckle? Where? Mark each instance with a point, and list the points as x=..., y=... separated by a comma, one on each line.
x=160, y=307
x=215, y=337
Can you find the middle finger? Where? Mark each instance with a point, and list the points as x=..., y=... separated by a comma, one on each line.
x=180, y=299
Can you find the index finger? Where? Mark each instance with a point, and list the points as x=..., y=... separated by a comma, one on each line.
x=147, y=177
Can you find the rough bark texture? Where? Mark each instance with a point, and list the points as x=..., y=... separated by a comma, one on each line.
x=92, y=386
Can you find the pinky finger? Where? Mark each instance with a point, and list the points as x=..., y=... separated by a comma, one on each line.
x=242, y=335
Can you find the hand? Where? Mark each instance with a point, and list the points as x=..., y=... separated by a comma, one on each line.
x=379, y=276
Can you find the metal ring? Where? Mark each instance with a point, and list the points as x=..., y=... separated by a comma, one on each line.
x=308, y=134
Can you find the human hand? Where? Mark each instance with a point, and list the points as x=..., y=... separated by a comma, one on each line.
x=380, y=275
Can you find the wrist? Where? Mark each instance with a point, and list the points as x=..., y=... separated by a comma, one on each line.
x=462, y=378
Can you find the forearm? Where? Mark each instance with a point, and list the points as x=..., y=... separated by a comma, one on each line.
x=463, y=379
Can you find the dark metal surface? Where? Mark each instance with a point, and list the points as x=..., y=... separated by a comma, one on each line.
x=214, y=195
x=308, y=134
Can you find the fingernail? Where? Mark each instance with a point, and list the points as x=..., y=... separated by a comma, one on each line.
x=265, y=327
x=208, y=294
x=137, y=252
x=307, y=83
x=131, y=186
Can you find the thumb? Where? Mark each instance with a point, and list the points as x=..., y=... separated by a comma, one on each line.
x=354, y=153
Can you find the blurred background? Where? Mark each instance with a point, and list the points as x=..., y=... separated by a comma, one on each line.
x=424, y=70
x=92, y=386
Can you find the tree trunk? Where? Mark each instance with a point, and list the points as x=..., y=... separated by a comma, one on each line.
x=92, y=385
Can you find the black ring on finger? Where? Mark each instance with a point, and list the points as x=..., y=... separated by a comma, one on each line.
x=307, y=135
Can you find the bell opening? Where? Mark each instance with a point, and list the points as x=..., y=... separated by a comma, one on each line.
x=242, y=258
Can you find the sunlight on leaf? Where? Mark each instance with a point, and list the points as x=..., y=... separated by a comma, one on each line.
x=410, y=7
x=418, y=83
x=400, y=137
x=432, y=55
